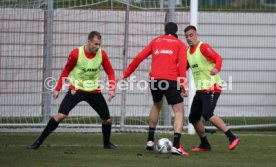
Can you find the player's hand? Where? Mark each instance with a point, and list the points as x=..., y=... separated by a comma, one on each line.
x=184, y=90
x=214, y=71
x=111, y=95
x=55, y=94
x=184, y=93
x=119, y=78
x=73, y=92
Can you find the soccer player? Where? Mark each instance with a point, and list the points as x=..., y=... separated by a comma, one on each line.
x=169, y=62
x=205, y=64
x=84, y=67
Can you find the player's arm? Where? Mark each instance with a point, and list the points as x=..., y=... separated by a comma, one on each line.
x=110, y=74
x=182, y=68
x=188, y=66
x=211, y=55
x=137, y=60
x=71, y=62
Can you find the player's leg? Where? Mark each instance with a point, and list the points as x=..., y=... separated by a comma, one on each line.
x=106, y=130
x=209, y=103
x=211, y=131
x=204, y=143
x=219, y=123
x=174, y=98
x=195, y=119
x=157, y=96
x=98, y=103
x=178, y=110
x=153, y=119
x=154, y=114
x=67, y=104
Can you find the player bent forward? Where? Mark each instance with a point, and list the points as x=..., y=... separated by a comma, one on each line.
x=84, y=67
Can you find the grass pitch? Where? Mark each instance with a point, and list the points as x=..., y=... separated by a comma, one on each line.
x=85, y=150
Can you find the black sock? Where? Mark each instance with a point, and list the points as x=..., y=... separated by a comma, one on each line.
x=176, y=139
x=230, y=135
x=106, y=130
x=51, y=126
x=151, y=134
x=204, y=141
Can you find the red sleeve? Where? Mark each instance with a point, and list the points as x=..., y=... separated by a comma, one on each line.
x=182, y=65
x=71, y=62
x=137, y=60
x=211, y=55
x=188, y=66
x=109, y=71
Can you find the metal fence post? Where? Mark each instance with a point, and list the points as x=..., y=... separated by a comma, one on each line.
x=193, y=21
x=125, y=54
x=47, y=61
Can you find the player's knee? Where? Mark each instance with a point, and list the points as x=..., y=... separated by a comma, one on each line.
x=59, y=117
x=193, y=119
x=107, y=122
x=158, y=105
x=207, y=116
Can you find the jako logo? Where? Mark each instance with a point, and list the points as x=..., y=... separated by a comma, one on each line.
x=166, y=52
x=156, y=52
x=89, y=69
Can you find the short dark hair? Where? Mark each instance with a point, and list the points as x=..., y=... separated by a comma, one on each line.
x=93, y=34
x=171, y=28
x=190, y=27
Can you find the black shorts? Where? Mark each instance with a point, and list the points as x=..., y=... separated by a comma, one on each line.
x=169, y=88
x=95, y=100
x=203, y=104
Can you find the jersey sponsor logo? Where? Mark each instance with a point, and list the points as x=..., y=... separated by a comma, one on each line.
x=194, y=66
x=89, y=70
x=163, y=51
x=156, y=52
x=166, y=40
x=170, y=40
x=159, y=40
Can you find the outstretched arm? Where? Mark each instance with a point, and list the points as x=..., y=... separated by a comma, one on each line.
x=137, y=60
x=110, y=74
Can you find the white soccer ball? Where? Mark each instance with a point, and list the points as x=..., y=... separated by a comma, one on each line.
x=164, y=145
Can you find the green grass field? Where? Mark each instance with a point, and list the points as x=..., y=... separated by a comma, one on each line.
x=85, y=150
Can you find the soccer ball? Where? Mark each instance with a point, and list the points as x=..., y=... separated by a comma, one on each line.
x=164, y=145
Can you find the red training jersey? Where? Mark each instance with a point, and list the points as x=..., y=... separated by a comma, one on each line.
x=169, y=59
x=71, y=62
x=211, y=55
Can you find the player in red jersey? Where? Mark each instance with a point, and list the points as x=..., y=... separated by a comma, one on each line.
x=168, y=66
x=84, y=67
x=205, y=64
